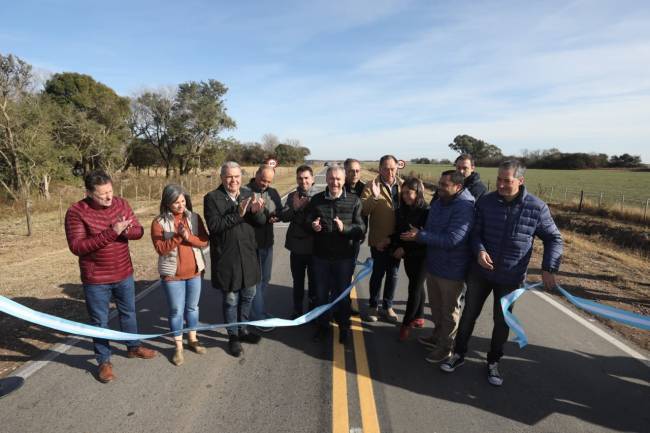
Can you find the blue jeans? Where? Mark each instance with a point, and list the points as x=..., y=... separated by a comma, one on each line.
x=384, y=264
x=237, y=308
x=183, y=298
x=98, y=298
x=265, y=259
x=331, y=277
x=301, y=263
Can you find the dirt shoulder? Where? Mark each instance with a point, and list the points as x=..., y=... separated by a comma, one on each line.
x=41, y=273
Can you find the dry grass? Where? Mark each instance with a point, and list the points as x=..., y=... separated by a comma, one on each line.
x=40, y=272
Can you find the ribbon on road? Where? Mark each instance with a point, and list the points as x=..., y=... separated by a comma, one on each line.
x=616, y=314
x=64, y=325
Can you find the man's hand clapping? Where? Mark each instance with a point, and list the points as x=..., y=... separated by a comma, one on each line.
x=121, y=224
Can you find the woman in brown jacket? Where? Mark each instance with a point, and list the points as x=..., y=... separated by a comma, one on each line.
x=179, y=236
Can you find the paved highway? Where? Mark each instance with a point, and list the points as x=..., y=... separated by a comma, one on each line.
x=571, y=378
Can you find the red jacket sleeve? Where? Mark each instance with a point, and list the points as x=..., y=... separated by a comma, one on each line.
x=78, y=240
x=136, y=231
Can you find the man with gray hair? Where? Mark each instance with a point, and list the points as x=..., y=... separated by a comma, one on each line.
x=231, y=214
x=335, y=218
x=506, y=223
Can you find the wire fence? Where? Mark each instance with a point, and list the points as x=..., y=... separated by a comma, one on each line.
x=631, y=207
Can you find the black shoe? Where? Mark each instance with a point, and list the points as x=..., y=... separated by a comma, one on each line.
x=249, y=337
x=343, y=336
x=321, y=334
x=234, y=346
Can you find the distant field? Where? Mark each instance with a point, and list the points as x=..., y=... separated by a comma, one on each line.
x=613, y=184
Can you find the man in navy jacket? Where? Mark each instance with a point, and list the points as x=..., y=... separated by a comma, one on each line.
x=505, y=225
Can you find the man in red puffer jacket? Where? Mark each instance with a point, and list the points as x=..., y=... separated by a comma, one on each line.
x=98, y=229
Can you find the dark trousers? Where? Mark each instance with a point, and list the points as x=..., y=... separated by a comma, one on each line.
x=478, y=289
x=414, y=267
x=301, y=264
x=331, y=277
x=384, y=264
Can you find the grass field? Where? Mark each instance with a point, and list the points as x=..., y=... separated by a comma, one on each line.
x=633, y=188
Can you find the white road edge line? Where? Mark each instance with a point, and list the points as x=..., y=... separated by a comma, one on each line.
x=624, y=347
x=32, y=367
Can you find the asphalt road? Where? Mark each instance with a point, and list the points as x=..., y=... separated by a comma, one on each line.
x=569, y=379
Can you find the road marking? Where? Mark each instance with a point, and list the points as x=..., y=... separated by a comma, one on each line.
x=624, y=347
x=369, y=419
x=31, y=367
x=340, y=419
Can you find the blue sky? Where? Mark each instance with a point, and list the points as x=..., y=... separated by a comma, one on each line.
x=364, y=78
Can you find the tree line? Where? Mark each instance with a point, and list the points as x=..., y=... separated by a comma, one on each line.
x=71, y=124
x=490, y=155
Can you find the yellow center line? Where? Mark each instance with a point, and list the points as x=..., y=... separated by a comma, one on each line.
x=369, y=419
x=340, y=420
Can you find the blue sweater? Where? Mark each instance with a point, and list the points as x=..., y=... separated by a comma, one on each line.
x=507, y=230
x=446, y=234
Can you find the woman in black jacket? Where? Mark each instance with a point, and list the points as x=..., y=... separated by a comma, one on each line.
x=412, y=212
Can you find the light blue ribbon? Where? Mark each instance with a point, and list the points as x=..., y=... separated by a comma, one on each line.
x=616, y=314
x=68, y=326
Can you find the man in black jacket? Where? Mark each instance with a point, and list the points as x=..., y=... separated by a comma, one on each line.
x=230, y=215
x=260, y=185
x=465, y=165
x=335, y=218
x=300, y=239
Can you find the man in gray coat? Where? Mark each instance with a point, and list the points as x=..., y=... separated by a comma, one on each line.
x=300, y=240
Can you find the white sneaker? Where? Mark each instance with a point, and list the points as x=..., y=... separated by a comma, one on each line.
x=494, y=377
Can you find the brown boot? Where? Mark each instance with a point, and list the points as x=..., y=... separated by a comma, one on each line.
x=105, y=372
x=141, y=352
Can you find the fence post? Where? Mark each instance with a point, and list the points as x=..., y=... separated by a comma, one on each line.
x=149, y=193
x=600, y=200
x=60, y=209
x=551, y=198
x=566, y=190
x=488, y=186
x=582, y=196
x=622, y=201
x=136, y=192
x=121, y=190
x=645, y=211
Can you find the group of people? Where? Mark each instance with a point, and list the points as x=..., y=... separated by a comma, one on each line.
x=465, y=244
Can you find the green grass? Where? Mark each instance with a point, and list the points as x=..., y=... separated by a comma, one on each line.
x=635, y=186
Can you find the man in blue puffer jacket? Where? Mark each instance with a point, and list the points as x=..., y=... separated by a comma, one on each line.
x=506, y=223
x=446, y=234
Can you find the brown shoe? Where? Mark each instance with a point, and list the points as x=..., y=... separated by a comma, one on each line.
x=196, y=347
x=141, y=352
x=105, y=372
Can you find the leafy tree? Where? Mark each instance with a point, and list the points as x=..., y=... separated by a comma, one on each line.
x=180, y=127
x=289, y=155
x=93, y=120
x=625, y=160
x=479, y=149
x=27, y=154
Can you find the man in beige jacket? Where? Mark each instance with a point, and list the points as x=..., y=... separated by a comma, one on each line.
x=380, y=199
